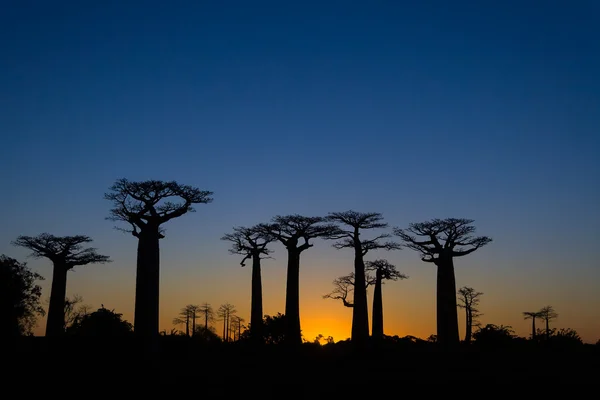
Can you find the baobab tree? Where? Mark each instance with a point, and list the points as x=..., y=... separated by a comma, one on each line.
x=383, y=271
x=443, y=240
x=226, y=312
x=532, y=315
x=548, y=314
x=65, y=252
x=252, y=244
x=468, y=299
x=187, y=316
x=295, y=232
x=343, y=286
x=206, y=312
x=356, y=222
x=146, y=206
x=236, y=327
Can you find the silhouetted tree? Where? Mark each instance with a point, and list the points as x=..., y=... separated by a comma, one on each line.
x=65, y=252
x=351, y=238
x=290, y=230
x=75, y=310
x=146, y=206
x=225, y=312
x=344, y=285
x=444, y=239
x=206, y=312
x=532, y=315
x=19, y=298
x=383, y=271
x=252, y=244
x=275, y=329
x=187, y=316
x=548, y=314
x=208, y=335
x=494, y=335
x=468, y=299
x=102, y=322
x=566, y=337
x=236, y=327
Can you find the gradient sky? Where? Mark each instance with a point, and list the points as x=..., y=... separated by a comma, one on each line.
x=416, y=110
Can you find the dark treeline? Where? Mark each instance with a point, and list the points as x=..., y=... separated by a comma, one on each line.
x=146, y=206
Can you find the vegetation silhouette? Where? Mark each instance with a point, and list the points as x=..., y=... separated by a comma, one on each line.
x=442, y=241
x=65, y=252
x=146, y=206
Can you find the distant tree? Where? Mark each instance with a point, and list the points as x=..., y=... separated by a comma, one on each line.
x=252, y=244
x=102, y=322
x=19, y=298
x=225, y=312
x=383, y=271
x=295, y=232
x=236, y=327
x=443, y=240
x=494, y=335
x=548, y=314
x=468, y=299
x=206, y=312
x=65, y=252
x=187, y=317
x=532, y=315
x=350, y=237
x=344, y=285
x=146, y=206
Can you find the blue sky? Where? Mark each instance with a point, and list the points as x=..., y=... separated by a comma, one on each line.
x=421, y=110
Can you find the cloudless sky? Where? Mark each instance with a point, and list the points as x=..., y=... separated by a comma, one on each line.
x=417, y=110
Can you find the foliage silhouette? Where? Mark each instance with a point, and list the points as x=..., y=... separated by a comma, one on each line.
x=295, y=232
x=468, y=299
x=146, y=206
x=101, y=323
x=19, y=298
x=252, y=244
x=383, y=271
x=65, y=252
x=444, y=239
x=494, y=335
x=355, y=222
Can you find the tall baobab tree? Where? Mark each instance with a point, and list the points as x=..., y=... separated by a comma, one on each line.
x=236, y=327
x=532, y=315
x=343, y=286
x=252, y=244
x=356, y=222
x=548, y=314
x=65, y=252
x=206, y=312
x=468, y=298
x=443, y=240
x=383, y=271
x=146, y=206
x=226, y=312
x=295, y=232
x=187, y=316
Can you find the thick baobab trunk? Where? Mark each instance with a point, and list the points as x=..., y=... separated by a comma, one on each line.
x=147, y=284
x=256, y=307
x=377, y=329
x=547, y=328
x=447, y=315
x=469, y=327
x=360, y=313
x=55, y=325
x=293, y=334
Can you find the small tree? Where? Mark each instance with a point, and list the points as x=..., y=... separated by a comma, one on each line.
x=441, y=241
x=356, y=222
x=226, y=312
x=468, y=299
x=75, y=310
x=548, y=314
x=206, y=312
x=383, y=271
x=65, y=252
x=102, y=322
x=344, y=286
x=252, y=244
x=19, y=298
x=146, y=206
x=532, y=315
